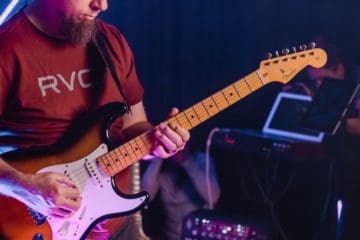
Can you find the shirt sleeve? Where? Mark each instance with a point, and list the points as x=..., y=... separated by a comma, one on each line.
x=132, y=87
x=123, y=59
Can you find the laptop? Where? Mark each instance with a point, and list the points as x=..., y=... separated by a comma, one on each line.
x=285, y=119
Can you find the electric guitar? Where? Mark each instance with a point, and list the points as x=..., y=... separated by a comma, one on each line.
x=100, y=171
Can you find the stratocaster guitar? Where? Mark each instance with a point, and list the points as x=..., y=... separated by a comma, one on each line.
x=98, y=170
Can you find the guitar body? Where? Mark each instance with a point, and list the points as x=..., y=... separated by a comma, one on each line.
x=101, y=197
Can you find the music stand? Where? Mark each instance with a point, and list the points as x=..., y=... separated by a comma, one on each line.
x=330, y=105
x=327, y=113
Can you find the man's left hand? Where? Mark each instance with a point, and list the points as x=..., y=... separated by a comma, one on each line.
x=170, y=139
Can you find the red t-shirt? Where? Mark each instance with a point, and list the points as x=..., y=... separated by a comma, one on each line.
x=46, y=83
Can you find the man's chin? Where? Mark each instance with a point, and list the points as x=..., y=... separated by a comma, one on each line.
x=80, y=32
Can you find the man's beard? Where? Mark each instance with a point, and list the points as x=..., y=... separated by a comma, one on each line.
x=79, y=33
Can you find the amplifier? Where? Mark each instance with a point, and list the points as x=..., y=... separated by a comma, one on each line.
x=256, y=142
x=206, y=225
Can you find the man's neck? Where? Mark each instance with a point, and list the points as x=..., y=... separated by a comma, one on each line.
x=44, y=20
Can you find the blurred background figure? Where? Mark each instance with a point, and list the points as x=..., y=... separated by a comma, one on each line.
x=346, y=143
x=180, y=185
x=310, y=80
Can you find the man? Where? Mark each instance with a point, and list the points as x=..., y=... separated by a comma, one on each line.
x=51, y=72
x=183, y=185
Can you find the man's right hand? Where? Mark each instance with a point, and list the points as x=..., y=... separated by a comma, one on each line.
x=51, y=194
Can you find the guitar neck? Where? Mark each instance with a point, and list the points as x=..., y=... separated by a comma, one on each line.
x=125, y=155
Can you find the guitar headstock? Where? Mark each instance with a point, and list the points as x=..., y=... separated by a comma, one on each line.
x=284, y=68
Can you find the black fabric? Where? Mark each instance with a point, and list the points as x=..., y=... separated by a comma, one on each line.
x=100, y=43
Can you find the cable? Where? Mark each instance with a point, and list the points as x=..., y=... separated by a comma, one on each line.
x=327, y=198
x=207, y=166
x=268, y=202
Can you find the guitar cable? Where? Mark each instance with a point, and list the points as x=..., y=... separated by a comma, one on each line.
x=207, y=166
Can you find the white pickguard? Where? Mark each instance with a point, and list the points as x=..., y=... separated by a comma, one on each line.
x=98, y=197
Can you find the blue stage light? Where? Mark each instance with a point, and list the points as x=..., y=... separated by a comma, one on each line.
x=8, y=10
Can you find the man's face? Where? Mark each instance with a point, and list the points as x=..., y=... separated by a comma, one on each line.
x=76, y=18
x=80, y=10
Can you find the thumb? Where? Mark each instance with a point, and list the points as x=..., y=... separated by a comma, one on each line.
x=173, y=112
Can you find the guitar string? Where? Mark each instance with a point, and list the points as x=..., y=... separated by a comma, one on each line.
x=81, y=174
x=240, y=89
x=249, y=81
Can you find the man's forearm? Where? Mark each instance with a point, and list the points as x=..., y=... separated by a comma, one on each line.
x=9, y=178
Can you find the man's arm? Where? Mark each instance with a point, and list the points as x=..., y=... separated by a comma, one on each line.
x=150, y=178
x=194, y=165
x=47, y=193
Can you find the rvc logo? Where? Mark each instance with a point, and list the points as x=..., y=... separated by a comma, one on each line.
x=51, y=82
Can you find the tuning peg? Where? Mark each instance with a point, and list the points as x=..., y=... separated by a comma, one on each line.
x=294, y=49
x=312, y=45
x=268, y=55
x=303, y=47
x=277, y=53
x=285, y=51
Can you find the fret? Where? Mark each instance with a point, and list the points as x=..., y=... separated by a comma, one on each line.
x=232, y=95
x=246, y=81
x=220, y=100
x=135, y=148
x=192, y=116
x=118, y=159
x=145, y=139
x=201, y=111
x=242, y=88
x=108, y=164
x=114, y=164
x=223, y=94
x=260, y=77
x=102, y=165
x=131, y=152
x=183, y=120
x=141, y=146
x=174, y=119
x=215, y=103
x=210, y=106
x=188, y=120
x=255, y=82
x=125, y=155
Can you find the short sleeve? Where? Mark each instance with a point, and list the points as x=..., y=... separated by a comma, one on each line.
x=123, y=59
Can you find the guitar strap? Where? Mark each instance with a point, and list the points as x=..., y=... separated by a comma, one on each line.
x=100, y=43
